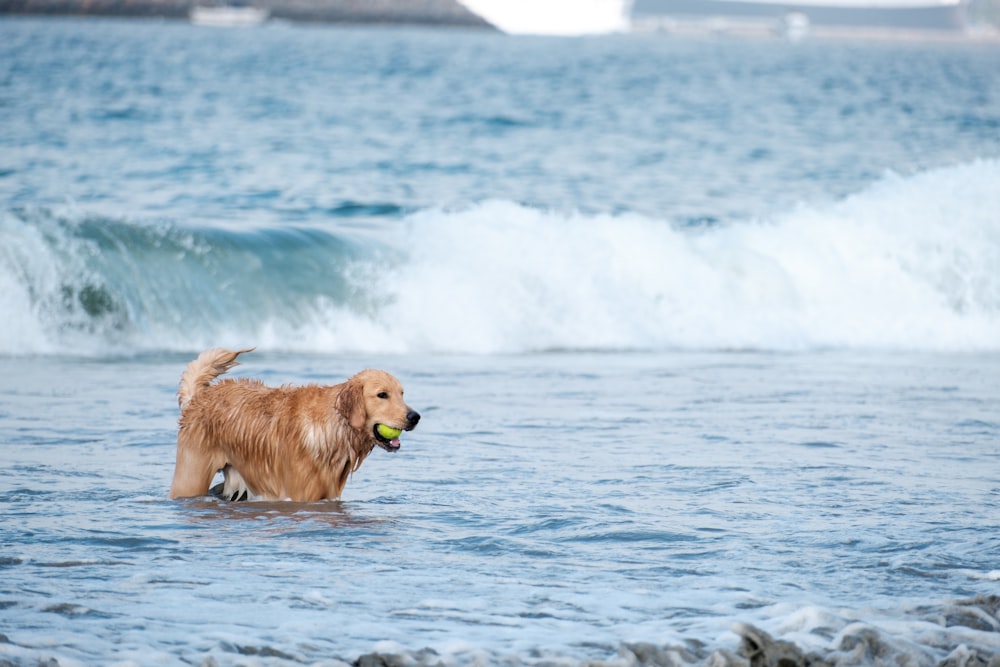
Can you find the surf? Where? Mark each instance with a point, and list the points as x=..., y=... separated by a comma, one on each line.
x=907, y=264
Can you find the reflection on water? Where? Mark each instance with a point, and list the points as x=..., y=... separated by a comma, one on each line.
x=278, y=517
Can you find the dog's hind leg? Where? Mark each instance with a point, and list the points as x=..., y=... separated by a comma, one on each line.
x=233, y=486
x=194, y=472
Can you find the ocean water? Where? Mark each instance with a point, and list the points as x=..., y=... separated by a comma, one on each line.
x=705, y=335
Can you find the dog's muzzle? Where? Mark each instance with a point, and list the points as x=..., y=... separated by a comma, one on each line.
x=393, y=444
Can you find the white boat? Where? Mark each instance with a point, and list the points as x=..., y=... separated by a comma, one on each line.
x=228, y=16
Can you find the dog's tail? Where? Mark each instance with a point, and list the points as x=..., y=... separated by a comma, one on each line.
x=209, y=365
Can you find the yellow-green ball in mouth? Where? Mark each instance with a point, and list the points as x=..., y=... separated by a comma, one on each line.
x=388, y=432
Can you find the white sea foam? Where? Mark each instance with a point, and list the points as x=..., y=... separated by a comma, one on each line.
x=909, y=264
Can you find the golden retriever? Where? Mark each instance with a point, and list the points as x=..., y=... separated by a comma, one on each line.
x=287, y=443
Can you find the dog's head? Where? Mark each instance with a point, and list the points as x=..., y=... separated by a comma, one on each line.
x=373, y=399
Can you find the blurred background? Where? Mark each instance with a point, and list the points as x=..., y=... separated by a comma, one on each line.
x=568, y=17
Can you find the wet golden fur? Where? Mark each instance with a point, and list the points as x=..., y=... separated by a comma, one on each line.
x=294, y=443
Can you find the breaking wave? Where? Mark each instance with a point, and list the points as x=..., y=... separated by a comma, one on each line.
x=910, y=263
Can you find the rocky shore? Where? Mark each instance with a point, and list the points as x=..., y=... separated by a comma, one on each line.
x=964, y=633
x=425, y=12
x=859, y=645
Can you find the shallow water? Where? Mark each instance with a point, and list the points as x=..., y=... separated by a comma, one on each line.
x=559, y=503
x=704, y=333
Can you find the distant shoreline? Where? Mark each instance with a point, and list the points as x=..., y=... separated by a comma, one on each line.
x=422, y=12
x=451, y=13
x=716, y=28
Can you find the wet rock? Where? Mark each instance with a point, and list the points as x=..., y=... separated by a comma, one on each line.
x=979, y=613
x=762, y=650
x=426, y=657
x=380, y=660
x=262, y=651
x=863, y=645
x=966, y=657
x=658, y=656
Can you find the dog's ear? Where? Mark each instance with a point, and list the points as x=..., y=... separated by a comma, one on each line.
x=351, y=403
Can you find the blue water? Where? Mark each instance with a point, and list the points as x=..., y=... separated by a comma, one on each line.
x=704, y=332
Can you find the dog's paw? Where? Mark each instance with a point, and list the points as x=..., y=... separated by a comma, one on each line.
x=232, y=495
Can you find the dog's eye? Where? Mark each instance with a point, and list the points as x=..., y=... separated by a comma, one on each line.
x=383, y=394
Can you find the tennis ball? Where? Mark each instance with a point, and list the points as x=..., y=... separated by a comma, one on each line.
x=388, y=432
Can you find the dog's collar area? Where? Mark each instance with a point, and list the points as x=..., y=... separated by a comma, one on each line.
x=389, y=445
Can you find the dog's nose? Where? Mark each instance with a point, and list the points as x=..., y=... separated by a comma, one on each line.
x=412, y=417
